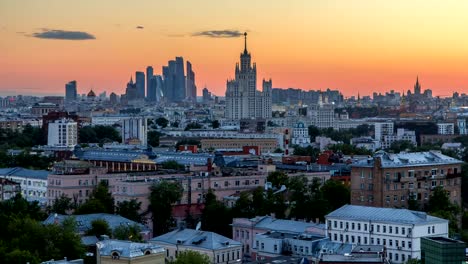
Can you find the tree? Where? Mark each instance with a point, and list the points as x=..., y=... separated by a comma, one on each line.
x=244, y=206
x=277, y=178
x=307, y=151
x=100, y=201
x=98, y=134
x=194, y=125
x=171, y=165
x=61, y=205
x=99, y=227
x=439, y=204
x=129, y=209
x=191, y=257
x=162, y=196
x=401, y=145
x=153, y=138
x=215, y=124
x=336, y=193
x=129, y=232
x=162, y=122
x=216, y=217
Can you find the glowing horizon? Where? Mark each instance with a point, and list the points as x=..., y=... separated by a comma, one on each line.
x=352, y=46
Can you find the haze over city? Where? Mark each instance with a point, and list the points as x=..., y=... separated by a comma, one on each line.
x=353, y=46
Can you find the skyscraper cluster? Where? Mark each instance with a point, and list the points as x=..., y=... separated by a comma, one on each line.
x=173, y=86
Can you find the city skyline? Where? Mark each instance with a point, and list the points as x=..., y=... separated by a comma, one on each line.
x=353, y=47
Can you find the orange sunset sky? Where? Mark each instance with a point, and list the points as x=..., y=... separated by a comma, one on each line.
x=351, y=45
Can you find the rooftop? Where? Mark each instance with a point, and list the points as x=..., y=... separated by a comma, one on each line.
x=84, y=221
x=383, y=215
x=410, y=159
x=26, y=173
x=196, y=238
x=127, y=249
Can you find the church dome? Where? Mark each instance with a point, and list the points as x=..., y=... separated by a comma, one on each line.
x=91, y=94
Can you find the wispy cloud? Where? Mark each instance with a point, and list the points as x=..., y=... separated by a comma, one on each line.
x=61, y=34
x=218, y=33
x=140, y=27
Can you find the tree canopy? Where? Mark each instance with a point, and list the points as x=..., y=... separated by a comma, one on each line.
x=98, y=134
x=163, y=195
x=191, y=257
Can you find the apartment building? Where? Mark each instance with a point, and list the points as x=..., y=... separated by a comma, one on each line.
x=390, y=180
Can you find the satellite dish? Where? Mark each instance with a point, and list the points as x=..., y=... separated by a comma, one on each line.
x=198, y=226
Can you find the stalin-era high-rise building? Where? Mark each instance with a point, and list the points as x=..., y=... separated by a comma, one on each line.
x=242, y=98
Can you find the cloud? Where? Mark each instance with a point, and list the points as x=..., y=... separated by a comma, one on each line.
x=140, y=27
x=218, y=33
x=62, y=34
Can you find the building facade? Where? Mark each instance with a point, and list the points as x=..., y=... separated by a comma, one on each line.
x=134, y=131
x=71, y=93
x=399, y=230
x=242, y=98
x=392, y=180
x=62, y=133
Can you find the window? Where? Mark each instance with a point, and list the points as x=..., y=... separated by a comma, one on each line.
x=433, y=172
x=372, y=240
x=390, y=242
x=347, y=225
x=335, y=237
x=359, y=240
x=359, y=226
x=396, y=230
x=390, y=256
x=365, y=240
x=409, y=244
x=384, y=242
x=403, y=243
x=362, y=186
x=352, y=239
x=387, y=199
x=263, y=246
x=341, y=225
x=371, y=187
x=378, y=241
x=378, y=228
x=428, y=229
x=275, y=247
x=395, y=198
x=384, y=229
x=411, y=173
x=365, y=227
x=352, y=226
x=396, y=256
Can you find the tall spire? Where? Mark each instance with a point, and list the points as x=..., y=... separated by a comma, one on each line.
x=245, y=42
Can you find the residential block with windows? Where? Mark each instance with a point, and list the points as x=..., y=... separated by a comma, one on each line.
x=399, y=230
x=390, y=180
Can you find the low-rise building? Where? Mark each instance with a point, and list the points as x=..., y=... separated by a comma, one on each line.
x=84, y=222
x=244, y=230
x=110, y=251
x=436, y=250
x=8, y=189
x=398, y=230
x=445, y=128
x=265, y=144
x=33, y=183
x=218, y=248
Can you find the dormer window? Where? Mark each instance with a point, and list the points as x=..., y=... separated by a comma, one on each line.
x=115, y=255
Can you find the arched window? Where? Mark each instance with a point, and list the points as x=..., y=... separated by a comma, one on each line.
x=115, y=255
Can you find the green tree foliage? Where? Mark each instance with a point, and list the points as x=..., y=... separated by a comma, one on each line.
x=194, y=125
x=215, y=124
x=100, y=201
x=162, y=122
x=61, y=205
x=307, y=151
x=171, y=165
x=336, y=193
x=25, y=160
x=216, y=217
x=344, y=135
x=99, y=227
x=153, y=138
x=191, y=257
x=25, y=238
x=129, y=232
x=98, y=134
x=348, y=149
x=163, y=196
x=401, y=145
x=129, y=209
x=25, y=139
x=188, y=142
x=277, y=178
x=440, y=205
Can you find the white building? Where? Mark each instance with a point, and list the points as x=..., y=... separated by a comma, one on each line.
x=33, y=182
x=321, y=115
x=401, y=135
x=300, y=135
x=445, y=128
x=62, y=133
x=242, y=98
x=106, y=120
x=366, y=143
x=399, y=230
x=134, y=131
x=382, y=129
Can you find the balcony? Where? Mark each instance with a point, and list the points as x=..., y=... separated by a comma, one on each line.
x=453, y=175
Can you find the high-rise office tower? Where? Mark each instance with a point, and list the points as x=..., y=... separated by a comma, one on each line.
x=140, y=84
x=174, y=80
x=149, y=74
x=242, y=98
x=155, y=88
x=70, y=91
x=190, y=83
x=180, y=94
